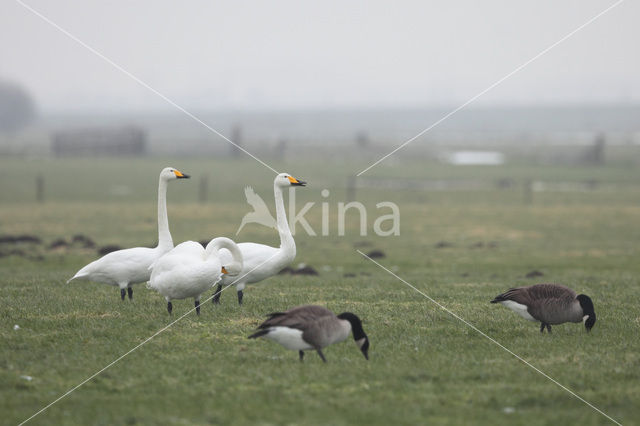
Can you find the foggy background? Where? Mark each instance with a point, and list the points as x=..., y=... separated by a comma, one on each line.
x=284, y=77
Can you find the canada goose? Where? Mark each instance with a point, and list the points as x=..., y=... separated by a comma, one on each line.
x=260, y=260
x=312, y=327
x=549, y=304
x=123, y=268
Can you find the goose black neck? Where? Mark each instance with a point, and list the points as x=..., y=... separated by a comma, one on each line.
x=356, y=325
x=587, y=308
x=586, y=304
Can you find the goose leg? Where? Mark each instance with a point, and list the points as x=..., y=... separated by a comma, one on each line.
x=197, y=303
x=216, y=296
x=549, y=328
x=169, y=307
x=321, y=355
x=542, y=325
x=130, y=293
x=240, y=297
x=301, y=355
x=122, y=293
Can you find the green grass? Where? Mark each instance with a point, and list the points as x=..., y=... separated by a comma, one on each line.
x=425, y=366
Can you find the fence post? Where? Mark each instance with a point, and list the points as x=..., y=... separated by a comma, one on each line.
x=528, y=191
x=203, y=189
x=236, y=138
x=351, y=188
x=39, y=188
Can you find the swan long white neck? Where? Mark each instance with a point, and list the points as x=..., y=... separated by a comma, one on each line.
x=164, y=236
x=222, y=242
x=286, y=239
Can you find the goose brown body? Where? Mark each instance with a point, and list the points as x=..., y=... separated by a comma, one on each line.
x=312, y=327
x=549, y=304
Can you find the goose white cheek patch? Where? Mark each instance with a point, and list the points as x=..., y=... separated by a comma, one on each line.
x=585, y=318
x=360, y=342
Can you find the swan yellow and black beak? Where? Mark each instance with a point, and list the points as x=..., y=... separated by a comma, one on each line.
x=296, y=182
x=224, y=270
x=180, y=175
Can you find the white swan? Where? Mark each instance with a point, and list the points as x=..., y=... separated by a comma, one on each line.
x=189, y=270
x=261, y=261
x=123, y=268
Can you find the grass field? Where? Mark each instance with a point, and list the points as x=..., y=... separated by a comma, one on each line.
x=426, y=367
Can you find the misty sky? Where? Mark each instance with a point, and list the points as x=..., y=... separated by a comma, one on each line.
x=292, y=54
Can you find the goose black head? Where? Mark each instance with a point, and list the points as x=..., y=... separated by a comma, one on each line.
x=587, y=308
x=358, y=333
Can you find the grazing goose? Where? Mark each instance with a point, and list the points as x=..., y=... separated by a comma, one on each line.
x=123, y=268
x=312, y=327
x=549, y=304
x=189, y=270
x=262, y=261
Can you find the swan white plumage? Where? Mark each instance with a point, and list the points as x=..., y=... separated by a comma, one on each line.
x=123, y=268
x=189, y=270
x=261, y=261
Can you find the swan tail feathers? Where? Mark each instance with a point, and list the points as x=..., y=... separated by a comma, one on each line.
x=79, y=275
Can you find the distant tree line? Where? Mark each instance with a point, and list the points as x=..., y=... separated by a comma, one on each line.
x=17, y=108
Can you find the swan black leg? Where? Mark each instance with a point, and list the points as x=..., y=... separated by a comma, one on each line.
x=197, y=303
x=301, y=355
x=169, y=307
x=240, y=297
x=130, y=293
x=122, y=293
x=216, y=295
x=321, y=355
